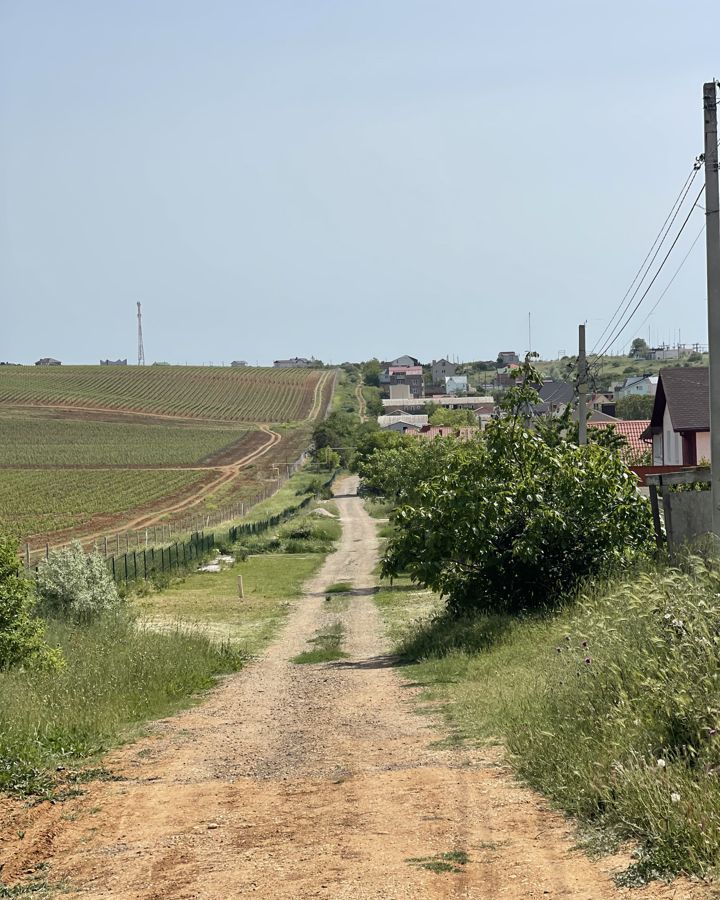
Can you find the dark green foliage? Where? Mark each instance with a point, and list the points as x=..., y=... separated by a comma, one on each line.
x=634, y=407
x=510, y=521
x=21, y=633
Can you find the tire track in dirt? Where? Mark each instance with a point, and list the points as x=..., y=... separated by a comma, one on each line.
x=317, y=781
x=362, y=405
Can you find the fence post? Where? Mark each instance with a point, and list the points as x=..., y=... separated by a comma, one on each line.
x=135, y=575
x=27, y=556
x=125, y=558
x=112, y=559
x=47, y=551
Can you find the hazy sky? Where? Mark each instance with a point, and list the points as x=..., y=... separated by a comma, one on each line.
x=341, y=179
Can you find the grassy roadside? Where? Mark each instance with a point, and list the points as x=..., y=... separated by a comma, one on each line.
x=610, y=707
x=152, y=658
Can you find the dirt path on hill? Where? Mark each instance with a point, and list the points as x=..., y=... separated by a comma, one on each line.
x=362, y=405
x=308, y=781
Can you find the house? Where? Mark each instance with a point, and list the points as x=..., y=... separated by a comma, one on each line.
x=456, y=384
x=603, y=402
x=632, y=430
x=113, y=362
x=404, y=361
x=441, y=369
x=680, y=421
x=297, y=362
x=462, y=432
x=403, y=423
x=412, y=376
x=554, y=397
x=507, y=357
x=484, y=412
x=48, y=361
x=399, y=391
x=238, y=364
x=638, y=386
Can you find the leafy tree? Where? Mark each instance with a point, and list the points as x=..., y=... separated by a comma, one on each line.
x=371, y=372
x=639, y=348
x=77, y=585
x=337, y=432
x=634, y=407
x=328, y=459
x=510, y=521
x=694, y=358
x=22, y=638
x=443, y=416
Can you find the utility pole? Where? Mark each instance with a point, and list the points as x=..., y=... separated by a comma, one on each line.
x=582, y=387
x=141, y=349
x=712, y=238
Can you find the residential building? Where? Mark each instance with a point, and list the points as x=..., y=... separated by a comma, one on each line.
x=297, y=362
x=113, y=362
x=238, y=364
x=506, y=357
x=554, y=397
x=417, y=404
x=638, y=386
x=441, y=369
x=632, y=430
x=456, y=384
x=399, y=391
x=404, y=361
x=412, y=376
x=403, y=423
x=48, y=361
x=680, y=422
x=462, y=432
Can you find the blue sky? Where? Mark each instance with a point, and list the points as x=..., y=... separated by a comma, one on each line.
x=341, y=179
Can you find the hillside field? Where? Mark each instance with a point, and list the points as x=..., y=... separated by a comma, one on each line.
x=88, y=449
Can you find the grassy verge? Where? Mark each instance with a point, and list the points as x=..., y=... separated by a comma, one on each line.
x=115, y=676
x=611, y=707
x=147, y=662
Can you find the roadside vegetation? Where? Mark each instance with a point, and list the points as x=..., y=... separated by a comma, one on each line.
x=522, y=586
x=83, y=668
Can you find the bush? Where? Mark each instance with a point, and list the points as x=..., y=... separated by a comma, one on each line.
x=510, y=521
x=75, y=584
x=21, y=633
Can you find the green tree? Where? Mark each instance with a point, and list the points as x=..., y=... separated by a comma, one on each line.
x=75, y=584
x=510, y=521
x=639, y=348
x=634, y=407
x=371, y=372
x=22, y=634
x=440, y=415
x=328, y=459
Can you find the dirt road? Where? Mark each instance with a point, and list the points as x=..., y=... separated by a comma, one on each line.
x=308, y=781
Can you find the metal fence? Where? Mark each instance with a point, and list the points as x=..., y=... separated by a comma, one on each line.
x=138, y=565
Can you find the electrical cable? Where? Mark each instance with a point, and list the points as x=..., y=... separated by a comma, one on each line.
x=659, y=240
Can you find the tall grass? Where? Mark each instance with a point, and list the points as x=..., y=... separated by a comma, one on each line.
x=116, y=675
x=611, y=707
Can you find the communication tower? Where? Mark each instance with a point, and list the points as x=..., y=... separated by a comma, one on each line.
x=141, y=351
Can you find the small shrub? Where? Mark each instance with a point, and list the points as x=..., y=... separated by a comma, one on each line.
x=21, y=634
x=75, y=584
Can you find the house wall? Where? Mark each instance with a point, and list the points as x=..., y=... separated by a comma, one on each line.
x=672, y=443
x=703, y=446
x=441, y=369
x=403, y=361
x=657, y=449
x=399, y=391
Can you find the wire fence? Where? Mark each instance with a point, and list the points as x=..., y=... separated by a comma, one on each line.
x=149, y=563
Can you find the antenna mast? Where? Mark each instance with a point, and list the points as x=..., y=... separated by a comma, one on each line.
x=141, y=351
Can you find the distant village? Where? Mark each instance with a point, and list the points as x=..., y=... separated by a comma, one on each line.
x=675, y=432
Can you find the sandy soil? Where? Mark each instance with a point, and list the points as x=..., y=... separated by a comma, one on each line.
x=309, y=781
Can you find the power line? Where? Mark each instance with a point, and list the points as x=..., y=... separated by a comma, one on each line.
x=650, y=257
x=676, y=273
x=622, y=326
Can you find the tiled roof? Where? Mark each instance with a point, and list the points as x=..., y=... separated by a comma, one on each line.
x=632, y=429
x=464, y=432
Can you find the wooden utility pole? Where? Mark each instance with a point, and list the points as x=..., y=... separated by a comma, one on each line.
x=712, y=238
x=582, y=387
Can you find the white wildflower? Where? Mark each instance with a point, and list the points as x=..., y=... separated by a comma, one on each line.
x=674, y=797
x=661, y=764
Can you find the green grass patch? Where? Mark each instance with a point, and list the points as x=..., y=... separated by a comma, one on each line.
x=378, y=509
x=326, y=646
x=452, y=861
x=210, y=600
x=115, y=677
